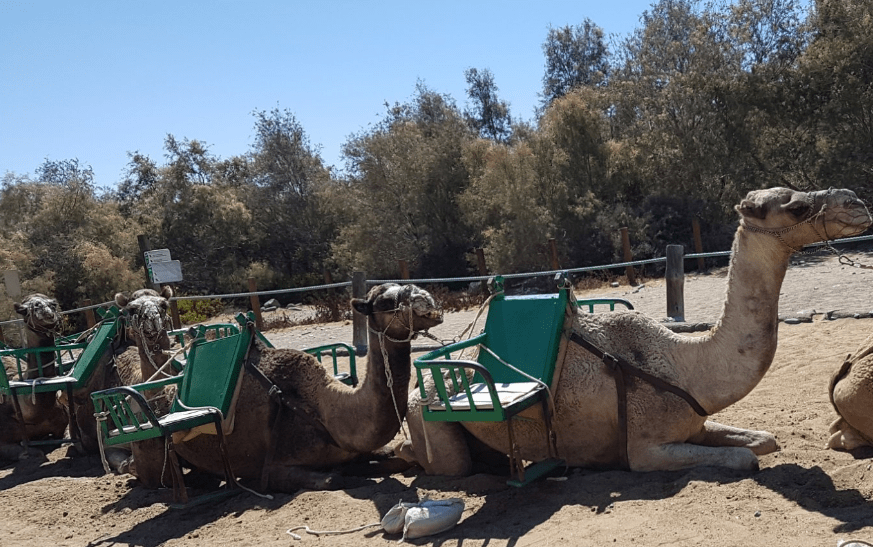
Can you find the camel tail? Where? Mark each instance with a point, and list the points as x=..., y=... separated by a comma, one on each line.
x=835, y=378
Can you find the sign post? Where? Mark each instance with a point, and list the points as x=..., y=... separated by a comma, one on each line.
x=161, y=268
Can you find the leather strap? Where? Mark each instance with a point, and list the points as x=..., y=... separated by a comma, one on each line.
x=619, y=366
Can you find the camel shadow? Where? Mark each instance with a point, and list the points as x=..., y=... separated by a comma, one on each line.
x=178, y=523
x=516, y=512
x=36, y=468
x=814, y=490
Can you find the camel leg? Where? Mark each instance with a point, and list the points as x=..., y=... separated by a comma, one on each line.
x=439, y=447
x=150, y=463
x=716, y=434
x=676, y=456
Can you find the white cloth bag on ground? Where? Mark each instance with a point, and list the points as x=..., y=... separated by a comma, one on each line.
x=424, y=518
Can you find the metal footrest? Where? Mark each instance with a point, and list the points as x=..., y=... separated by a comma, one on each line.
x=536, y=471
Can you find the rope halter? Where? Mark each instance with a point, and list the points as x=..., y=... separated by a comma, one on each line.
x=397, y=314
x=810, y=218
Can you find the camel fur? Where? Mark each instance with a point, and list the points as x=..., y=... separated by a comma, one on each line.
x=320, y=422
x=717, y=369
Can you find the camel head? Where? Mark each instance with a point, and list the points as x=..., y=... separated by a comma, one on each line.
x=40, y=312
x=399, y=310
x=146, y=313
x=801, y=218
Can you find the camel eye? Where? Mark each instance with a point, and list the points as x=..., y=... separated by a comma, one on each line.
x=799, y=209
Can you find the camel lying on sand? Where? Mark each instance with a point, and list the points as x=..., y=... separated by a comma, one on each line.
x=663, y=432
x=322, y=422
x=851, y=393
x=43, y=416
x=140, y=349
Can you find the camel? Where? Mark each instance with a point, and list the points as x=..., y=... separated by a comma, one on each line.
x=663, y=432
x=43, y=416
x=319, y=422
x=851, y=395
x=140, y=350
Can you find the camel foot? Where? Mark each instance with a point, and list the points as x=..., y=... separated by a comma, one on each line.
x=719, y=435
x=845, y=437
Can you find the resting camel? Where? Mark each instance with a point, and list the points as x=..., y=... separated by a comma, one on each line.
x=139, y=351
x=43, y=416
x=663, y=432
x=321, y=421
x=851, y=393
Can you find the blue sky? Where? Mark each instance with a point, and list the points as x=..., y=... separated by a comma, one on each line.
x=94, y=80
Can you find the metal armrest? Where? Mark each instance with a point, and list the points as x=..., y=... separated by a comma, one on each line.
x=113, y=401
x=456, y=371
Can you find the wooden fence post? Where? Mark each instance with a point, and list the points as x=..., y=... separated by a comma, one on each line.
x=698, y=243
x=359, y=321
x=90, y=320
x=174, y=314
x=404, y=269
x=553, y=250
x=256, y=304
x=628, y=257
x=675, y=278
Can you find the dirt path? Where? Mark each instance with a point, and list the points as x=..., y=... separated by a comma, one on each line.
x=804, y=495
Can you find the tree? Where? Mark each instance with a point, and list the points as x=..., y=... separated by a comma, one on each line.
x=399, y=199
x=489, y=116
x=293, y=232
x=575, y=56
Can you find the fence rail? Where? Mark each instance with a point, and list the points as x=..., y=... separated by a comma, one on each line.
x=470, y=279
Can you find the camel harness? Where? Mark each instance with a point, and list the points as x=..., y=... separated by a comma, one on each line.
x=619, y=367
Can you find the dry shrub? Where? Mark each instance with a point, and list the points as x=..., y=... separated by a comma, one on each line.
x=453, y=301
x=332, y=307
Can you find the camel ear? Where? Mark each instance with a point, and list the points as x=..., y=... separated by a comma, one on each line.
x=121, y=299
x=364, y=307
x=167, y=292
x=749, y=208
x=19, y=309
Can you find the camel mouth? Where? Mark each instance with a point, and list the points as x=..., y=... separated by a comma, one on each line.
x=849, y=213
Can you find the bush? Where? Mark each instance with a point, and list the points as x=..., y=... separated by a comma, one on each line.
x=198, y=311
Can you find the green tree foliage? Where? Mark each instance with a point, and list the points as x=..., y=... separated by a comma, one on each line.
x=575, y=56
x=399, y=200
x=700, y=104
x=292, y=230
x=488, y=116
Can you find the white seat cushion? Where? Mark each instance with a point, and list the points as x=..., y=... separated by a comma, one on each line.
x=507, y=394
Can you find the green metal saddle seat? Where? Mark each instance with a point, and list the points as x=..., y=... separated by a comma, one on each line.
x=75, y=363
x=205, y=402
x=512, y=370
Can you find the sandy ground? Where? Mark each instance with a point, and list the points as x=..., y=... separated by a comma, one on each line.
x=804, y=495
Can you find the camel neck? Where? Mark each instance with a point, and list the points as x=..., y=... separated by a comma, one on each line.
x=152, y=355
x=399, y=354
x=741, y=347
x=34, y=339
